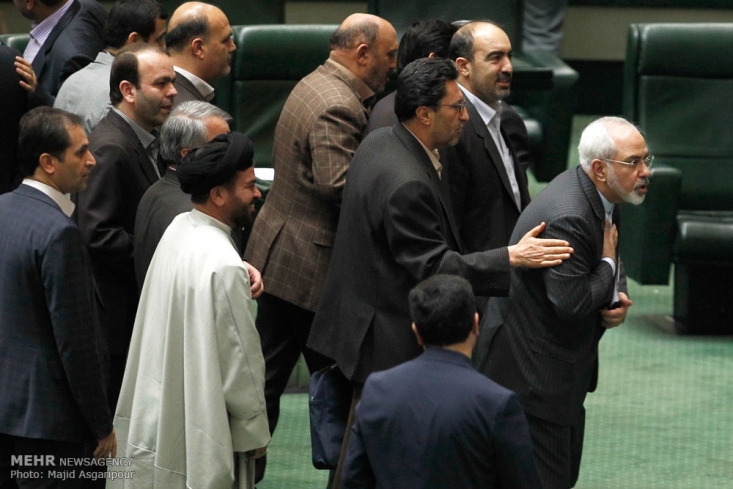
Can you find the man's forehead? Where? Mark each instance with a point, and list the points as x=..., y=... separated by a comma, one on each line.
x=154, y=64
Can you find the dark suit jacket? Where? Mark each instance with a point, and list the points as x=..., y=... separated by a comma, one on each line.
x=163, y=201
x=106, y=215
x=14, y=104
x=186, y=90
x=434, y=422
x=73, y=43
x=547, y=349
x=52, y=355
x=394, y=231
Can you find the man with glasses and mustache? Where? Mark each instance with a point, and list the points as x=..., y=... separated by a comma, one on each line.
x=544, y=336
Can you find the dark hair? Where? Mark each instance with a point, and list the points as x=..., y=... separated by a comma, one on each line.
x=43, y=130
x=443, y=307
x=125, y=68
x=365, y=31
x=422, y=82
x=425, y=37
x=128, y=16
x=178, y=37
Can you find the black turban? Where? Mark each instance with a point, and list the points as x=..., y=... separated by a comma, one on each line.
x=215, y=163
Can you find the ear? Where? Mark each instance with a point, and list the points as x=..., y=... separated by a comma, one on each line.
x=133, y=38
x=47, y=163
x=599, y=169
x=185, y=151
x=218, y=196
x=423, y=115
x=475, y=326
x=432, y=55
x=127, y=90
x=30, y=5
x=197, y=48
x=363, y=54
x=417, y=335
x=462, y=65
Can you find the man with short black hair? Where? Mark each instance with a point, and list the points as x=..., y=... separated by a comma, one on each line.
x=124, y=144
x=201, y=46
x=195, y=416
x=53, y=358
x=434, y=421
x=86, y=92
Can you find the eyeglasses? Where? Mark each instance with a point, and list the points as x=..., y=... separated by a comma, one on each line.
x=458, y=107
x=648, y=161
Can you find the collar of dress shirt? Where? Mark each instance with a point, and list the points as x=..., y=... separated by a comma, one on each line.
x=206, y=90
x=362, y=89
x=486, y=111
x=145, y=138
x=41, y=30
x=607, y=206
x=434, y=155
x=66, y=205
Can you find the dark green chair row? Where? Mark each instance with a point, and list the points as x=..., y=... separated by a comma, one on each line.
x=678, y=87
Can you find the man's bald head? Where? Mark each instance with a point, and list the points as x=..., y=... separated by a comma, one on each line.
x=367, y=46
x=200, y=40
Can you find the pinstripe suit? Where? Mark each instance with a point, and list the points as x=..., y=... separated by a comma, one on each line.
x=319, y=129
x=547, y=349
x=395, y=230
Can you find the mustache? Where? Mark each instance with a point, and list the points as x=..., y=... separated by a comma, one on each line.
x=504, y=77
x=644, y=182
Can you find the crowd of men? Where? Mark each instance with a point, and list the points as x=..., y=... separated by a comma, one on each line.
x=129, y=326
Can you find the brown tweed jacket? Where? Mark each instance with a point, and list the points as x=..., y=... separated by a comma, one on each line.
x=320, y=127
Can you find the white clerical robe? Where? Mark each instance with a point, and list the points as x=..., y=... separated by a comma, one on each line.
x=193, y=391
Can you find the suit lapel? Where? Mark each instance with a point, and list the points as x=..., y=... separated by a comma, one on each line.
x=483, y=132
x=591, y=192
x=519, y=174
x=421, y=156
x=63, y=22
x=142, y=156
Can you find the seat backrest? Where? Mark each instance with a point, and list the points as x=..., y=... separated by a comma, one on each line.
x=270, y=60
x=678, y=87
x=506, y=13
x=16, y=41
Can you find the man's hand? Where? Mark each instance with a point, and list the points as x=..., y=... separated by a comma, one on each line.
x=107, y=446
x=257, y=453
x=25, y=70
x=256, y=287
x=614, y=317
x=610, y=240
x=533, y=252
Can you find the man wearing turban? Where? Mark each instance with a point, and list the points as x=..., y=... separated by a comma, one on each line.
x=192, y=409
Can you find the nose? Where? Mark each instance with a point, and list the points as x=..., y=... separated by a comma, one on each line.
x=257, y=194
x=90, y=160
x=463, y=114
x=644, y=171
x=172, y=92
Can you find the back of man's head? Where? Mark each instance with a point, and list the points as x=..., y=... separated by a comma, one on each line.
x=351, y=34
x=443, y=309
x=216, y=163
x=423, y=38
x=129, y=16
x=125, y=67
x=422, y=83
x=43, y=130
x=186, y=129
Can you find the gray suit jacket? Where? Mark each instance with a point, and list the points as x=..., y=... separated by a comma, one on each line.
x=394, y=231
x=186, y=90
x=547, y=349
x=86, y=92
x=320, y=127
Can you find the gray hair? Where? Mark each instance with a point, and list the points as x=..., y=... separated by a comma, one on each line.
x=184, y=128
x=597, y=142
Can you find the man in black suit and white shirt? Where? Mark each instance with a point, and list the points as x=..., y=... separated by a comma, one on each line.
x=547, y=348
x=141, y=91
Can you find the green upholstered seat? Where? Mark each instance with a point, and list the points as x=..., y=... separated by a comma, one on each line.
x=16, y=41
x=678, y=86
x=544, y=89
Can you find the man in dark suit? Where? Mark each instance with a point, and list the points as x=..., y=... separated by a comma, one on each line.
x=547, y=348
x=396, y=229
x=52, y=352
x=141, y=91
x=485, y=171
x=15, y=104
x=200, y=43
x=66, y=35
x=434, y=421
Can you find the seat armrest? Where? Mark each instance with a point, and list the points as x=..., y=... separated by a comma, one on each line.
x=647, y=231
